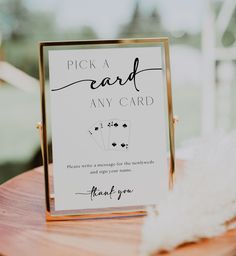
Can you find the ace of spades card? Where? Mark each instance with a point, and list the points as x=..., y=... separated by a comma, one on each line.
x=96, y=134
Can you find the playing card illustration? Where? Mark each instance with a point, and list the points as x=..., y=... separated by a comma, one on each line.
x=111, y=134
x=106, y=132
x=96, y=134
x=119, y=135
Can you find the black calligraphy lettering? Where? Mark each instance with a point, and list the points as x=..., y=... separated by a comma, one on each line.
x=108, y=81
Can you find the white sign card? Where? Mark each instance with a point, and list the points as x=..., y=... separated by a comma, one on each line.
x=109, y=132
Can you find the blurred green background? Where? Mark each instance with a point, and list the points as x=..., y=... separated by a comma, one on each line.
x=25, y=22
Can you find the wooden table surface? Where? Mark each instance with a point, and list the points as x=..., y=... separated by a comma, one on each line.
x=24, y=231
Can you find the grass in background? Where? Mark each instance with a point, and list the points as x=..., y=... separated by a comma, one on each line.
x=187, y=106
x=19, y=139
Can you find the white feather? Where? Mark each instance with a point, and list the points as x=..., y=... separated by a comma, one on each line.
x=203, y=199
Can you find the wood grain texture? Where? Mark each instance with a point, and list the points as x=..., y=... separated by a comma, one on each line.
x=24, y=231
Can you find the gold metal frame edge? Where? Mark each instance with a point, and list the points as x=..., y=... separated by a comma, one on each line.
x=43, y=129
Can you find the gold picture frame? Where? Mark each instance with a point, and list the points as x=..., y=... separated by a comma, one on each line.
x=51, y=214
